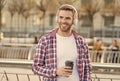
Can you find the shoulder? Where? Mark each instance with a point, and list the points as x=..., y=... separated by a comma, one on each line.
x=49, y=36
x=80, y=40
x=79, y=37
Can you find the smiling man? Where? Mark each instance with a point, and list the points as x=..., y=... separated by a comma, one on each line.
x=60, y=45
x=65, y=21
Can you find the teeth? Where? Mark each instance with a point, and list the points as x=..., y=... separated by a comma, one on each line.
x=63, y=24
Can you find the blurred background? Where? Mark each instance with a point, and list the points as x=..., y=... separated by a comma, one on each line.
x=23, y=22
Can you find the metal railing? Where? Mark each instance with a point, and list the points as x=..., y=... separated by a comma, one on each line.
x=18, y=77
x=97, y=78
x=16, y=52
x=27, y=53
x=30, y=77
x=105, y=56
x=19, y=52
x=99, y=57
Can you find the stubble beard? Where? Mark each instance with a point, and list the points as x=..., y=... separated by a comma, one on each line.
x=65, y=30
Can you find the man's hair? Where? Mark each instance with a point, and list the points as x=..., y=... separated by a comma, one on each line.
x=68, y=8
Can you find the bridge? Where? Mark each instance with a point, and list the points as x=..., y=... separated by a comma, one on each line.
x=21, y=57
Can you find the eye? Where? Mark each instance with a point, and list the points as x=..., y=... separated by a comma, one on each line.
x=68, y=18
x=60, y=17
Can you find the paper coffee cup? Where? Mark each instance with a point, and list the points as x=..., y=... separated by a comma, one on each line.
x=69, y=63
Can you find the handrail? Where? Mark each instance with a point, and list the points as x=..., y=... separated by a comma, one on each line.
x=17, y=44
x=16, y=61
x=28, y=64
x=106, y=65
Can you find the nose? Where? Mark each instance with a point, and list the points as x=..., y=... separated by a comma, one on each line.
x=63, y=20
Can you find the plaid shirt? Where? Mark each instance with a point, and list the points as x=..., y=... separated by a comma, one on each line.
x=45, y=59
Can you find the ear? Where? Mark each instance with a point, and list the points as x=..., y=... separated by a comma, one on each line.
x=75, y=21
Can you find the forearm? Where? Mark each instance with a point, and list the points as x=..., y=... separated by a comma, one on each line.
x=44, y=71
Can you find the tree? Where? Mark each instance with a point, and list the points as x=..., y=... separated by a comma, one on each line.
x=23, y=8
x=89, y=8
x=2, y=4
x=109, y=11
x=27, y=6
x=117, y=7
x=44, y=6
x=12, y=9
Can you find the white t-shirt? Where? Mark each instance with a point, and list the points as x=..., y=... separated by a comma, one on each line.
x=67, y=50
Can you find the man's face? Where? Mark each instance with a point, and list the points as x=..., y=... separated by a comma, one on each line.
x=65, y=20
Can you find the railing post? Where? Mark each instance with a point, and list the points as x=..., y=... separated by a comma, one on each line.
x=28, y=77
x=102, y=60
x=39, y=78
x=6, y=76
x=111, y=79
x=30, y=53
x=17, y=77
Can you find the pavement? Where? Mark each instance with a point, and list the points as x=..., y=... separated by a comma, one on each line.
x=25, y=74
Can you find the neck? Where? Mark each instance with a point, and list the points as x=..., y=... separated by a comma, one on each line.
x=65, y=34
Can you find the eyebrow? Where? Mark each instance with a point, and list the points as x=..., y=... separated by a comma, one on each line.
x=65, y=17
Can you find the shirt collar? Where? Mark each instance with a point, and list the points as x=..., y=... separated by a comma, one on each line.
x=54, y=31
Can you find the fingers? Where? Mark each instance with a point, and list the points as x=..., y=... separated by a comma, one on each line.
x=64, y=71
x=66, y=67
x=68, y=70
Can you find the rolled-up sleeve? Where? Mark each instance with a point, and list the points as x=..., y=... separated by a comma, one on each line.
x=39, y=67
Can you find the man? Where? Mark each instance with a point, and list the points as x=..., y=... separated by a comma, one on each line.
x=60, y=45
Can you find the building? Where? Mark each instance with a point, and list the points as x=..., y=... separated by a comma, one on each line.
x=23, y=19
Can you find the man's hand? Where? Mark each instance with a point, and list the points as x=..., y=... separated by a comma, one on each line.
x=64, y=71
